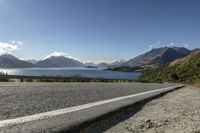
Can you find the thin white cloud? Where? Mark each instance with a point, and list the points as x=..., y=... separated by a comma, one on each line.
x=13, y=41
x=168, y=44
x=17, y=42
x=178, y=44
x=154, y=45
x=7, y=48
x=185, y=45
x=171, y=44
x=57, y=54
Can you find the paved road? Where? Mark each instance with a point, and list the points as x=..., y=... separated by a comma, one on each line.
x=22, y=99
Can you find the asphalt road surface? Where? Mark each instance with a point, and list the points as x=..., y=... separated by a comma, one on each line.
x=22, y=99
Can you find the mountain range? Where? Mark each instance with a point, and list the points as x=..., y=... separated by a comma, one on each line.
x=149, y=60
x=10, y=61
x=113, y=64
x=153, y=59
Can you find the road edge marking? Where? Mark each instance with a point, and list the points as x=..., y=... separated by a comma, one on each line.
x=58, y=112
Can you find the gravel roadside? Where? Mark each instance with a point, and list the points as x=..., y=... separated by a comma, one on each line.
x=178, y=111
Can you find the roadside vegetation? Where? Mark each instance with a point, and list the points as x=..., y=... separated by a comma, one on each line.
x=72, y=79
x=197, y=84
x=4, y=79
x=75, y=78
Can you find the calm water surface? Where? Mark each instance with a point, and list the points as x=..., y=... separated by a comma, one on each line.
x=84, y=72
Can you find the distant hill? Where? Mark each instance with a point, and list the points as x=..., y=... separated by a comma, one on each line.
x=90, y=64
x=10, y=61
x=113, y=64
x=196, y=49
x=103, y=65
x=154, y=58
x=58, y=61
x=32, y=61
x=186, y=70
x=117, y=63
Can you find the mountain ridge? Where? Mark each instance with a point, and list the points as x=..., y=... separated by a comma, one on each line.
x=58, y=61
x=153, y=59
x=185, y=69
x=10, y=61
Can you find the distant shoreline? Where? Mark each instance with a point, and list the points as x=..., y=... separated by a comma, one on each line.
x=75, y=78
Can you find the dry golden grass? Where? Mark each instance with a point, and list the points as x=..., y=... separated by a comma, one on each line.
x=197, y=84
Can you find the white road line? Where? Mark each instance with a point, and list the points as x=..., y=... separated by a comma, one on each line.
x=72, y=109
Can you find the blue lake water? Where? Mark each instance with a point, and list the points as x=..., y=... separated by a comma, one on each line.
x=84, y=72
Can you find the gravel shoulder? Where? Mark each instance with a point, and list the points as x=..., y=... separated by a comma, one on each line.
x=178, y=111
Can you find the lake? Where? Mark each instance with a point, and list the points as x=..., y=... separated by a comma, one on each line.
x=84, y=72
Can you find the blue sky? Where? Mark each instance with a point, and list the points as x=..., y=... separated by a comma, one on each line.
x=96, y=30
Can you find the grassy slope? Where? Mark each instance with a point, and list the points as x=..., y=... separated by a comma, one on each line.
x=184, y=70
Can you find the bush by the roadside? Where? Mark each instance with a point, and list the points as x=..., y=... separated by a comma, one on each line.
x=4, y=80
x=144, y=80
x=76, y=79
